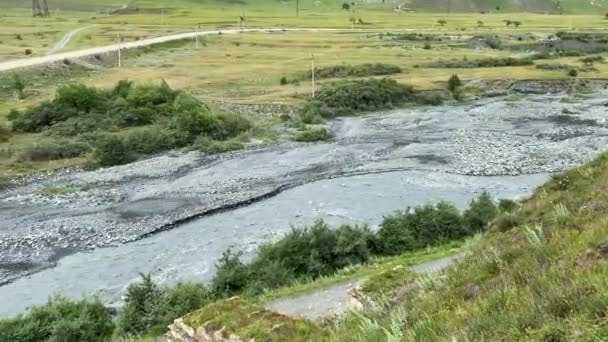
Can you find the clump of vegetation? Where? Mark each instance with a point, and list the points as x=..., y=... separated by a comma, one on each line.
x=235, y=316
x=60, y=320
x=350, y=97
x=455, y=87
x=493, y=41
x=427, y=45
x=553, y=66
x=361, y=70
x=429, y=225
x=19, y=86
x=45, y=150
x=488, y=62
x=313, y=134
x=442, y=22
x=573, y=73
x=158, y=118
x=149, y=308
x=589, y=61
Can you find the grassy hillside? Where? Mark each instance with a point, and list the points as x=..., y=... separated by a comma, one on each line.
x=540, y=274
x=543, y=6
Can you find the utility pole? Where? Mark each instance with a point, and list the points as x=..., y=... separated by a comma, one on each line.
x=449, y=6
x=119, y=57
x=297, y=8
x=162, y=16
x=196, y=40
x=312, y=69
x=46, y=8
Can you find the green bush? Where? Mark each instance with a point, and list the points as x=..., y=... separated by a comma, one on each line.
x=231, y=274
x=361, y=70
x=53, y=150
x=313, y=134
x=60, y=320
x=349, y=97
x=208, y=145
x=150, y=308
x=148, y=140
x=430, y=98
x=480, y=213
x=113, y=150
x=194, y=118
x=5, y=133
x=487, y=62
x=573, y=73
x=454, y=83
x=423, y=226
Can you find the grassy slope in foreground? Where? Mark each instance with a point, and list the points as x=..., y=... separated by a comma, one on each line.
x=543, y=279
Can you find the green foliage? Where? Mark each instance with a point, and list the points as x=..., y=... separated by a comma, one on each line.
x=313, y=134
x=5, y=133
x=427, y=45
x=345, y=6
x=60, y=320
x=208, y=145
x=592, y=59
x=454, y=83
x=487, y=62
x=111, y=150
x=360, y=70
x=149, y=308
x=442, y=22
x=283, y=81
x=53, y=150
x=237, y=317
x=193, y=118
x=231, y=274
x=480, y=213
x=423, y=226
x=573, y=73
x=350, y=97
x=19, y=86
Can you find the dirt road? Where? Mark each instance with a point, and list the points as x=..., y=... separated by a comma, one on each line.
x=34, y=61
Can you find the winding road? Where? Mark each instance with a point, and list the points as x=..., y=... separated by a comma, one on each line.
x=334, y=299
x=66, y=39
x=34, y=61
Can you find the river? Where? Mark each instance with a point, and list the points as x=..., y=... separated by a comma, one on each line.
x=377, y=163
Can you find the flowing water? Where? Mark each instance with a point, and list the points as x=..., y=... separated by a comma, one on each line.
x=377, y=163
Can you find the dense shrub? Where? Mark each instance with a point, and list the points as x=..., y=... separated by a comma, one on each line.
x=423, y=226
x=53, y=150
x=5, y=133
x=193, y=118
x=454, y=83
x=361, y=70
x=231, y=275
x=488, y=62
x=430, y=98
x=349, y=97
x=480, y=213
x=149, y=308
x=113, y=150
x=313, y=134
x=208, y=145
x=553, y=66
x=148, y=140
x=60, y=320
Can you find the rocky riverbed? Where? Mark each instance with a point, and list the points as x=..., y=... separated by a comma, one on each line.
x=47, y=218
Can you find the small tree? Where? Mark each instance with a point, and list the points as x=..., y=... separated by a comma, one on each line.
x=442, y=22
x=517, y=23
x=480, y=213
x=454, y=83
x=572, y=73
x=346, y=6
x=508, y=22
x=427, y=45
x=480, y=23
x=19, y=86
x=231, y=276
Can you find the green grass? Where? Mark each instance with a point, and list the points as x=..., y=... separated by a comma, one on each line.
x=376, y=267
x=235, y=316
x=56, y=191
x=544, y=279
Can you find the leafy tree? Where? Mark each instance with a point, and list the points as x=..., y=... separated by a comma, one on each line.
x=395, y=234
x=480, y=23
x=480, y=213
x=442, y=22
x=141, y=309
x=454, y=83
x=60, y=319
x=231, y=275
x=346, y=6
